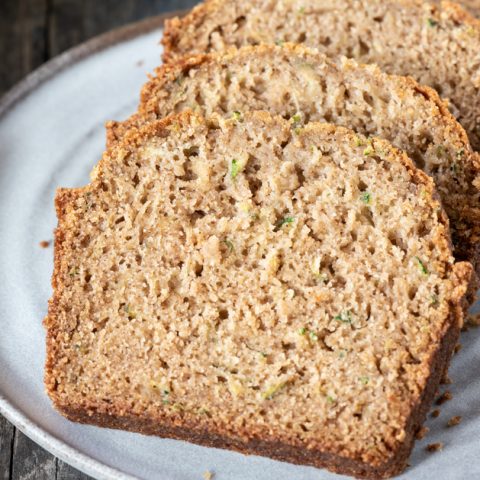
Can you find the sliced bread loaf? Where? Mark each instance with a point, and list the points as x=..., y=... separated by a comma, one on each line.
x=303, y=85
x=437, y=45
x=245, y=286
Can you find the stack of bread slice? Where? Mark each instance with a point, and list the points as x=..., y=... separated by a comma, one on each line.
x=276, y=252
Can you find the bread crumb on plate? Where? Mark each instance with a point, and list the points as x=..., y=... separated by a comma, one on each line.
x=434, y=447
x=454, y=421
x=445, y=397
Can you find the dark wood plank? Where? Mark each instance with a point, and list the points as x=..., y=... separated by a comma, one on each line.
x=66, y=472
x=72, y=21
x=22, y=39
x=7, y=433
x=31, y=461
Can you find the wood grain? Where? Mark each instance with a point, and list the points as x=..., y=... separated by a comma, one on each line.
x=22, y=38
x=31, y=32
x=31, y=461
x=66, y=472
x=7, y=433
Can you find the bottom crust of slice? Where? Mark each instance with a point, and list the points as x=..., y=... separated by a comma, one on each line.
x=111, y=417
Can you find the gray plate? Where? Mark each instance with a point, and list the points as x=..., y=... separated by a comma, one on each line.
x=51, y=134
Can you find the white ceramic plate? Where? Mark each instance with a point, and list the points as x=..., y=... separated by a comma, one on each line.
x=51, y=134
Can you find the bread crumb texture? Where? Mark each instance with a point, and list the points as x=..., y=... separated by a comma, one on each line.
x=437, y=45
x=303, y=85
x=254, y=280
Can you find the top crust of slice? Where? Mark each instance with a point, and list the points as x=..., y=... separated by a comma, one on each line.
x=250, y=282
x=438, y=45
x=302, y=84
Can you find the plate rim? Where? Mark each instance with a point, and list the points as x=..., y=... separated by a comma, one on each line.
x=35, y=78
x=8, y=100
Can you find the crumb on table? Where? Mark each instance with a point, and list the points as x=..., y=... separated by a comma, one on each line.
x=434, y=447
x=44, y=243
x=435, y=413
x=458, y=347
x=454, y=421
x=447, y=396
x=208, y=475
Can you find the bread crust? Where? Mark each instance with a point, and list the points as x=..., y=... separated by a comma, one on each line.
x=174, y=425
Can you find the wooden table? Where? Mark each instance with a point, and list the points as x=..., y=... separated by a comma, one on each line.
x=32, y=32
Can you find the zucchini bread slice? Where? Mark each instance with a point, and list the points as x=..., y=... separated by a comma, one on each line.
x=245, y=286
x=304, y=85
x=438, y=45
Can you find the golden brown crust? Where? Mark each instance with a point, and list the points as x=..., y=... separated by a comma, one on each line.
x=173, y=28
x=63, y=199
x=116, y=130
